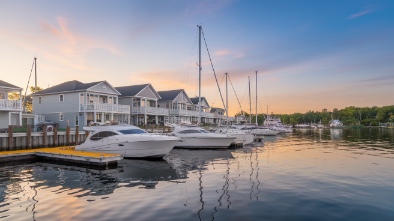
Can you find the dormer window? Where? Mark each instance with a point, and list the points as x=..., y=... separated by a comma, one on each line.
x=61, y=98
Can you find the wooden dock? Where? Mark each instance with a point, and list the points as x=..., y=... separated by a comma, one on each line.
x=63, y=155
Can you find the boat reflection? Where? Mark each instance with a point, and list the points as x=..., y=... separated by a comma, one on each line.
x=336, y=134
x=129, y=173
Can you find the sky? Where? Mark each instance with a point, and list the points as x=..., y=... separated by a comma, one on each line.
x=309, y=55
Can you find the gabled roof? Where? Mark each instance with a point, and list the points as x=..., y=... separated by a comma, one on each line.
x=213, y=109
x=169, y=95
x=69, y=86
x=195, y=100
x=134, y=90
x=8, y=85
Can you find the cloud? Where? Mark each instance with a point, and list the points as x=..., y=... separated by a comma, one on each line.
x=366, y=11
x=59, y=43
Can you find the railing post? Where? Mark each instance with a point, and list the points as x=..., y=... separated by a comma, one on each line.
x=44, y=136
x=76, y=135
x=10, y=138
x=67, y=135
x=55, y=143
x=28, y=138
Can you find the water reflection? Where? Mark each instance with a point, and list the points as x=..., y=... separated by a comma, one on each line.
x=345, y=171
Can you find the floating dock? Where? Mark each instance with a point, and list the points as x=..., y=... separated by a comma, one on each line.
x=64, y=155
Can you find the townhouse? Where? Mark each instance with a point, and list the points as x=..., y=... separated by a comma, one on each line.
x=75, y=103
x=10, y=109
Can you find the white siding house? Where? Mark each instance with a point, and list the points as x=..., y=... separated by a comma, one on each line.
x=10, y=110
x=74, y=103
x=143, y=100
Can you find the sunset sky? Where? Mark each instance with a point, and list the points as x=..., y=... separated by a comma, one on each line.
x=309, y=54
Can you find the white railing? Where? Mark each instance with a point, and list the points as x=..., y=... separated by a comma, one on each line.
x=191, y=113
x=150, y=110
x=10, y=104
x=105, y=107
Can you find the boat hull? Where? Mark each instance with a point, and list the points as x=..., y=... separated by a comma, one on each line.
x=205, y=143
x=137, y=149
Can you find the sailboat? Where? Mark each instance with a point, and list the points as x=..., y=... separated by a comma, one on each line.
x=196, y=137
x=254, y=128
x=241, y=137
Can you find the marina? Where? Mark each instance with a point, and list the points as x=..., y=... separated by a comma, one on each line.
x=312, y=174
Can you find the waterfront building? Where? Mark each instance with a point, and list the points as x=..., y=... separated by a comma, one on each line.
x=10, y=109
x=179, y=105
x=74, y=103
x=144, y=107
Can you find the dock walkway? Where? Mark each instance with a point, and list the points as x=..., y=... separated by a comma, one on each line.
x=63, y=154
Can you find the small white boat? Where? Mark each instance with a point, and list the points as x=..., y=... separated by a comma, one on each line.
x=199, y=138
x=127, y=140
x=336, y=124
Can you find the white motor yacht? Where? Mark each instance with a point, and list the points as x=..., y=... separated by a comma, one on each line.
x=199, y=138
x=127, y=140
x=241, y=137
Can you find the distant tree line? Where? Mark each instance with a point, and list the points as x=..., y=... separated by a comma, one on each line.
x=364, y=116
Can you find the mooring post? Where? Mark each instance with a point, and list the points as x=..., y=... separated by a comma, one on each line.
x=44, y=136
x=67, y=135
x=28, y=139
x=55, y=138
x=10, y=137
x=76, y=135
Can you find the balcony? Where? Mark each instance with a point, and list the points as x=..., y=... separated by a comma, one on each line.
x=104, y=108
x=10, y=105
x=150, y=110
x=191, y=113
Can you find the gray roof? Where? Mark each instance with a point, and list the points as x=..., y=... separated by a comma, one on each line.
x=130, y=90
x=169, y=95
x=67, y=86
x=195, y=100
x=6, y=84
x=213, y=109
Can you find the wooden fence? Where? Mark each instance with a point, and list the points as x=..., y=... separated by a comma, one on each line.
x=31, y=140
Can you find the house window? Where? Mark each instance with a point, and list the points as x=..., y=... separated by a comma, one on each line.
x=39, y=100
x=76, y=120
x=61, y=117
x=61, y=97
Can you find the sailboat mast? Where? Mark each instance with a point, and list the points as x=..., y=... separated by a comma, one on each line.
x=35, y=71
x=199, y=74
x=250, y=104
x=226, y=101
x=256, y=98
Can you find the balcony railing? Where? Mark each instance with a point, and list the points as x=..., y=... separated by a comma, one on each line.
x=10, y=104
x=105, y=107
x=150, y=110
x=191, y=113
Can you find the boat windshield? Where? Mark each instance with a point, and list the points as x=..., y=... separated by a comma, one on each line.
x=133, y=131
x=204, y=131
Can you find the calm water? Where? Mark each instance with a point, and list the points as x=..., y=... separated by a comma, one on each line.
x=309, y=175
